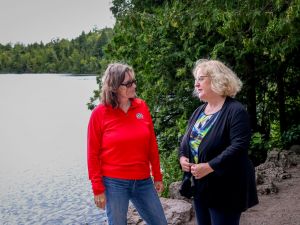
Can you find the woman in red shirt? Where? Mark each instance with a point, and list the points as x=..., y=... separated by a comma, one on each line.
x=122, y=151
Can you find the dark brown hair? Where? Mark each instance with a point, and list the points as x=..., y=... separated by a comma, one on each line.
x=113, y=77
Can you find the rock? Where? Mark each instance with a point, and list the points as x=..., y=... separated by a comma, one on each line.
x=283, y=158
x=178, y=212
x=174, y=192
x=295, y=148
x=265, y=189
x=273, y=156
x=269, y=172
x=274, y=170
x=287, y=159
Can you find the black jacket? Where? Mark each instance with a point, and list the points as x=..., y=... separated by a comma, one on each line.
x=225, y=147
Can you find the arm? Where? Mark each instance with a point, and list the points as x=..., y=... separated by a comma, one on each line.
x=239, y=139
x=154, y=153
x=93, y=153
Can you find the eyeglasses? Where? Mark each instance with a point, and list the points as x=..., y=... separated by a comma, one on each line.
x=129, y=84
x=200, y=79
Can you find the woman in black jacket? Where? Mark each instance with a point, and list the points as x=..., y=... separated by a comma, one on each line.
x=214, y=148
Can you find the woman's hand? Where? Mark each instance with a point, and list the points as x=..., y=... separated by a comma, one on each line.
x=201, y=170
x=185, y=165
x=159, y=186
x=100, y=200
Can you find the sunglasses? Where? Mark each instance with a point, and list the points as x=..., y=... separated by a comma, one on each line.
x=128, y=84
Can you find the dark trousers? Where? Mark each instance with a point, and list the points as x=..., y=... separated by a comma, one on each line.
x=214, y=216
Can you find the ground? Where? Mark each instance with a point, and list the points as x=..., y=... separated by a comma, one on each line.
x=282, y=208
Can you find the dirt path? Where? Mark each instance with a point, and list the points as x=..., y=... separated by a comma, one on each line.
x=282, y=208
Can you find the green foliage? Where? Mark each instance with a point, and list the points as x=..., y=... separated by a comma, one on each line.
x=171, y=170
x=291, y=136
x=260, y=145
x=81, y=55
x=258, y=149
x=275, y=140
x=162, y=39
x=259, y=39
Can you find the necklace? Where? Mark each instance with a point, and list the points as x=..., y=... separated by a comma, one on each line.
x=209, y=110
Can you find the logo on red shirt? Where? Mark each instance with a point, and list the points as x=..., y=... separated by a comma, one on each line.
x=139, y=116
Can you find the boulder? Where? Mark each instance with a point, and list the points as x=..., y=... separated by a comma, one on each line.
x=274, y=170
x=178, y=212
x=174, y=192
x=283, y=158
x=295, y=148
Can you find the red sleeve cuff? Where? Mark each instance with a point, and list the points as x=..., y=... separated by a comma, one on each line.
x=98, y=188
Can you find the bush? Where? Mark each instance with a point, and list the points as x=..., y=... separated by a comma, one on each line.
x=258, y=149
x=291, y=136
x=171, y=170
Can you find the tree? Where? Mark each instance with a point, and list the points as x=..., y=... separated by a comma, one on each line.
x=80, y=55
x=259, y=40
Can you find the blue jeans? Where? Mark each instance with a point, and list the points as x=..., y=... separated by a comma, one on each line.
x=141, y=193
x=214, y=216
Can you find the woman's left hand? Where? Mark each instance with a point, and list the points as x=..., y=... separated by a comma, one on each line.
x=201, y=170
x=159, y=186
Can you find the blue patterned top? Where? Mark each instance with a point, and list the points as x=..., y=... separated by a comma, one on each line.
x=200, y=129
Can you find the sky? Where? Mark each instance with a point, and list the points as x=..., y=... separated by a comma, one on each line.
x=29, y=21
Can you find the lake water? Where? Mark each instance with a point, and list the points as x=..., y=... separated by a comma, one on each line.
x=43, y=171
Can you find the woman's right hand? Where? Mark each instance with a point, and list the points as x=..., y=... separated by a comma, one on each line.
x=185, y=164
x=100, y=200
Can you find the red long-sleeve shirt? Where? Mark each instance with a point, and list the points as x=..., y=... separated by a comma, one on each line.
x=121, y=145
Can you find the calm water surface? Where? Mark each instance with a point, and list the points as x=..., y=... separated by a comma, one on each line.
x=43, y=173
